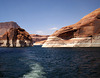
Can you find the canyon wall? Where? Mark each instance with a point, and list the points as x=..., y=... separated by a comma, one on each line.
x=14, y=36
x=85, y=33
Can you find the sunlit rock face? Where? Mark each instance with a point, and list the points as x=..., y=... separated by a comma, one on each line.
x=87, y=30
x=40, y=42
x=5, y=26
x=15, y=37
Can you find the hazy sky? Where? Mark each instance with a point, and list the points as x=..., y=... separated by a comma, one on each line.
x=45, y=16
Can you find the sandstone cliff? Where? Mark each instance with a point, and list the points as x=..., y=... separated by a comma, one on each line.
x=85, y=33
x=5, y=26
x=14, y=36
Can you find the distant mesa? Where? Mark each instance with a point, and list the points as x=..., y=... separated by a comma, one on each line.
x=39, y=39
x=11, y=35
x=85, y=33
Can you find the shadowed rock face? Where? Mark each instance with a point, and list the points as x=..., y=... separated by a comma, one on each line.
x=88, y=26
x=16, y=37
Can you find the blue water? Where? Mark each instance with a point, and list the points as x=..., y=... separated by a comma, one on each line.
x=37, y=62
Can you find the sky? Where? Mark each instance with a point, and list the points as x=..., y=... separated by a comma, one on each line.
x=44, y=17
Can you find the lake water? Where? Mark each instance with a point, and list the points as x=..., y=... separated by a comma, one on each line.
x=37, y=62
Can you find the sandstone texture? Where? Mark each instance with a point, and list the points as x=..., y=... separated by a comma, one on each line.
x=5, y=26
x=39, y=42
x=85, y=33
x=14, y=36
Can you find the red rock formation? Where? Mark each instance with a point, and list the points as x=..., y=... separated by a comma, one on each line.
x=88, y=26
x=15, y=37
x=5, y=26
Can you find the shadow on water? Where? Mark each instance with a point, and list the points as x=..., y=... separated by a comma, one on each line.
x=37, y=62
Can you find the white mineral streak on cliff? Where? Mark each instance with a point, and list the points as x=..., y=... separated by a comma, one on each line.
x=27, y=42
x=92, y=42
x=37, y=44
x=4, y=43
x=19, y=45
x=11, y=44
x=73, y=42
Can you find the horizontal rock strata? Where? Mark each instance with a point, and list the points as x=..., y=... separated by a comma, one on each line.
x=39, y=42
x=85, y=33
